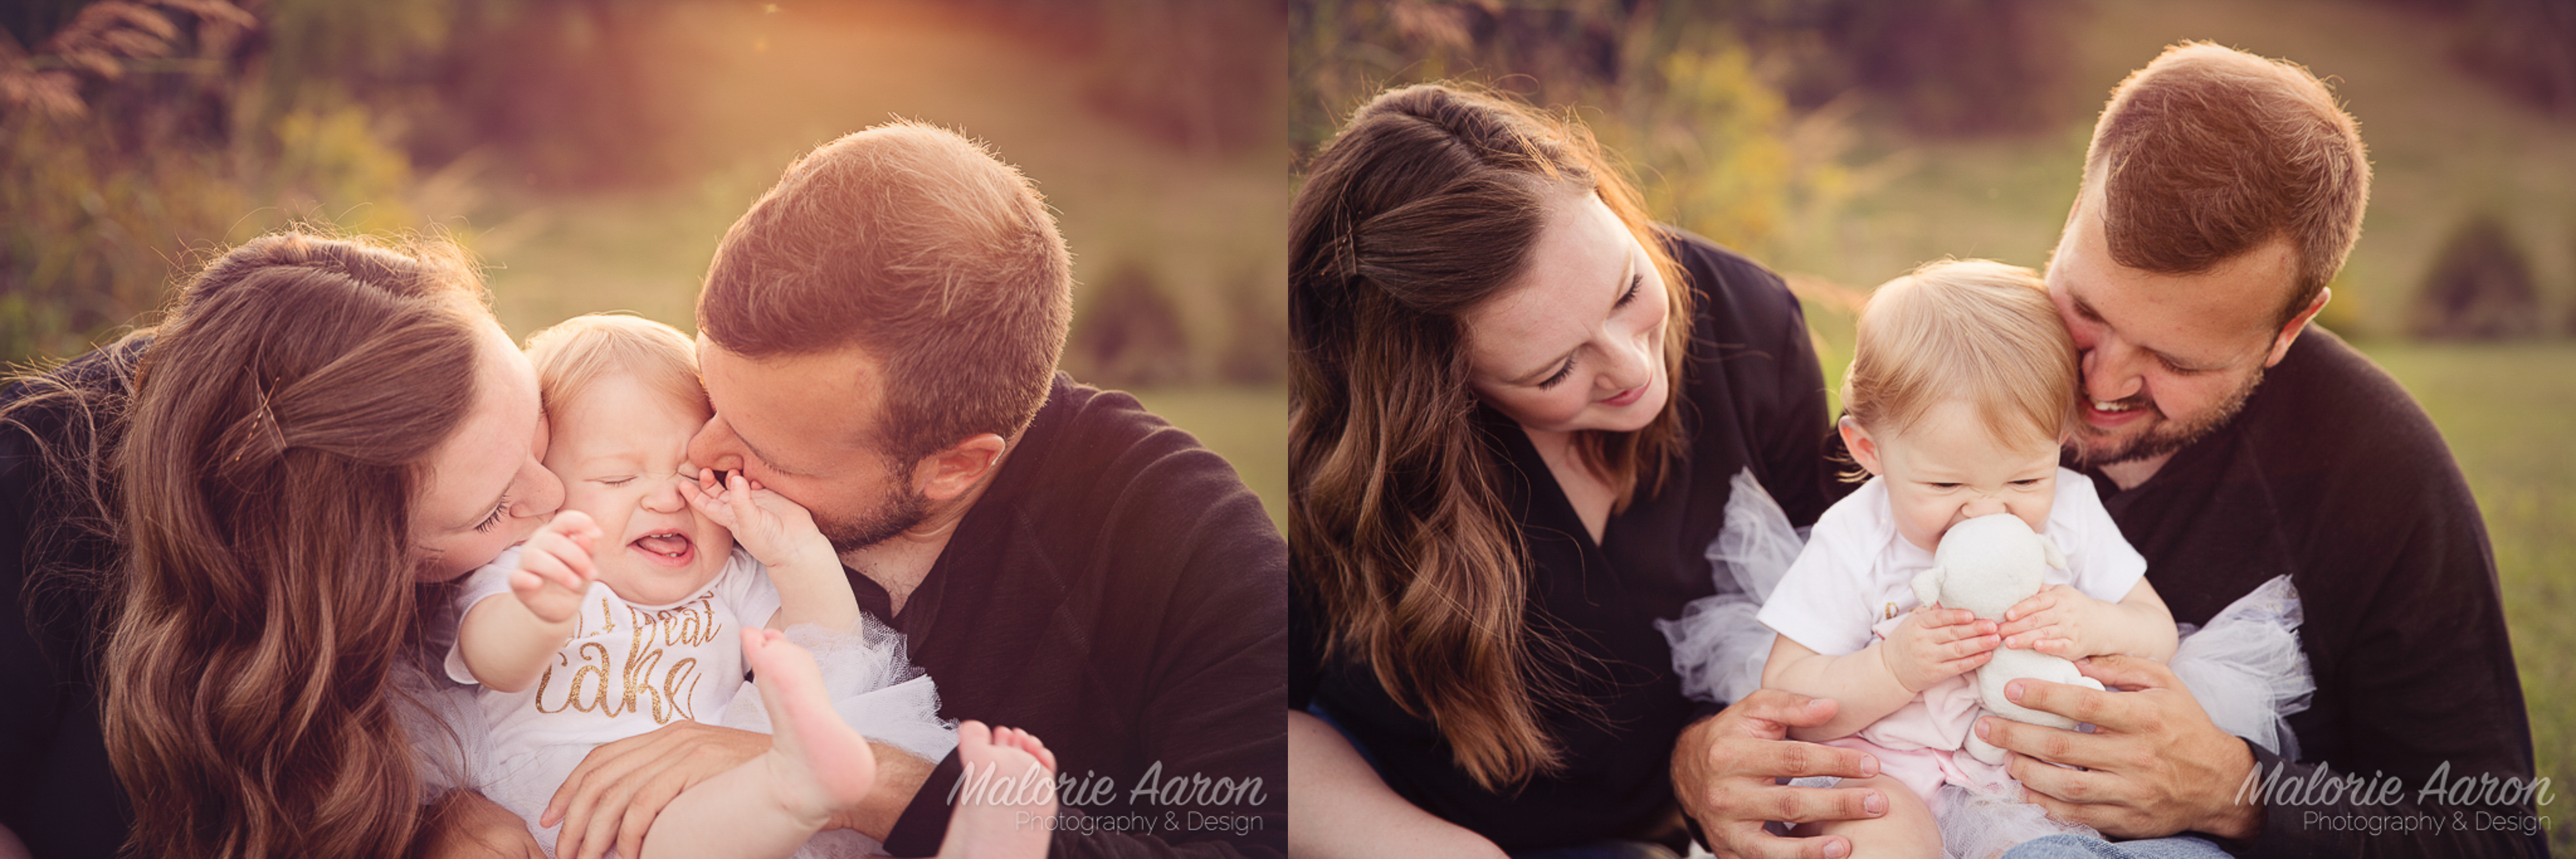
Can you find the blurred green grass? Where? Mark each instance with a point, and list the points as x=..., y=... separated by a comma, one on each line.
x=1204, y=225
x=763, y=90
x=2442, y=145
x=1247, y=426
x=2509, y=411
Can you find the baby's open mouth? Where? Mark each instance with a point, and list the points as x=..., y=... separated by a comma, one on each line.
x=669, y=544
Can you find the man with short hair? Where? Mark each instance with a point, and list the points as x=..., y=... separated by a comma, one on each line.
x=2234, y=443
x=879, y=337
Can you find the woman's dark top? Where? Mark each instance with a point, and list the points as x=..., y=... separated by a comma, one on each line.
x=57, y=792
x=1753, y=397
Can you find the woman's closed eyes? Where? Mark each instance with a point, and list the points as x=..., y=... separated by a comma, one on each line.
x=1636, y=283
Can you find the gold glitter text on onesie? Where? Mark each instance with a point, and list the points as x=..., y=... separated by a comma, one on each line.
x=665, y=691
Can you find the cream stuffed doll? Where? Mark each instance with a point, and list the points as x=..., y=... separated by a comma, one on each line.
x=1985, y=565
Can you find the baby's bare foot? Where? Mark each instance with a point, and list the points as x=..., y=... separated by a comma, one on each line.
x=818, y=765
x=1006, y=798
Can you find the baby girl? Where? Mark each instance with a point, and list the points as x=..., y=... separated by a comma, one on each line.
x=635, y=608
x=1961, y=390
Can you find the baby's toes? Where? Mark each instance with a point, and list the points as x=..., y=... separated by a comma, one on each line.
x=758, y=645
x=974, y=735
x=1028, y=742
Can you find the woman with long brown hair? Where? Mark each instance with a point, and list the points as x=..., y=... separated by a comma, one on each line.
x=227, y=520
x=1516, y=409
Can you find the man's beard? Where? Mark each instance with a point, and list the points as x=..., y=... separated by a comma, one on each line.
x=899, y=509
x=2164, y=436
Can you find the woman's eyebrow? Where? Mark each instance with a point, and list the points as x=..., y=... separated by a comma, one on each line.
x=1618, y=290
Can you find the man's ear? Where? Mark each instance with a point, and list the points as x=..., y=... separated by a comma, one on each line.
x=2290, y=331
x=1857, y=440
x=950, y=473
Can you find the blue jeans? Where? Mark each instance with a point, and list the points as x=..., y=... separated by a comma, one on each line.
x=2077, y=847
x=1594, y=850
x=1602, y=850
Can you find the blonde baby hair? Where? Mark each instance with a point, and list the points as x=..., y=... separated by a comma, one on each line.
x=576, y=352
x=1975, y=330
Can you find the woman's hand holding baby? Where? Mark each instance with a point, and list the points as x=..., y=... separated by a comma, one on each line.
x=555, y=568
x=1934, y=644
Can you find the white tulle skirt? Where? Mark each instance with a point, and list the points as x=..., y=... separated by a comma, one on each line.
x=2245, y=668
x=874, y=687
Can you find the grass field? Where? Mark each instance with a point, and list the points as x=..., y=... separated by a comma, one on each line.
x=2442, y=146
x=2509, y=413
x=1248, y=426
x=1205, y=226
x=762, y=89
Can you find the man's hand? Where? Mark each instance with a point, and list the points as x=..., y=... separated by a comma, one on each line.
x=613, y=796
x=466, y=826
x=1726, y=767
x=2153, y=766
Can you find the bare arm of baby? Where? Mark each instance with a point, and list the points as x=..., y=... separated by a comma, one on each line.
x=506, y=642
x=811, y=587
x=1931, y=645
x=2062, y=621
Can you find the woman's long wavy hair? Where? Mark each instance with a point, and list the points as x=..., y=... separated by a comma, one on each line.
x=1422, y=209
x=280, y=428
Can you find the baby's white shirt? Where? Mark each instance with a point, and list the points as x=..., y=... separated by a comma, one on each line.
x=1857, y=570
x=608, y=682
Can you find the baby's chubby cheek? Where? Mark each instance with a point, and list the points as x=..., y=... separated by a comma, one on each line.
x=2033, y=515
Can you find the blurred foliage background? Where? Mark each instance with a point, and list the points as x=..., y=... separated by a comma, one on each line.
x=591, y=152
x=1843, y=142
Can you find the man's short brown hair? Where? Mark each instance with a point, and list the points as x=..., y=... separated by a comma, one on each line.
x=923, y=250
x=2209, y=152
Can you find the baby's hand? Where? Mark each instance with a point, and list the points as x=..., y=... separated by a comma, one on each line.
x=2055, y=622
x=1935, y=644
x=779, y=532
x=555, y=568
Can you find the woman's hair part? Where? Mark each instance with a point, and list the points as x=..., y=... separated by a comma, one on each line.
x=1421, y=210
